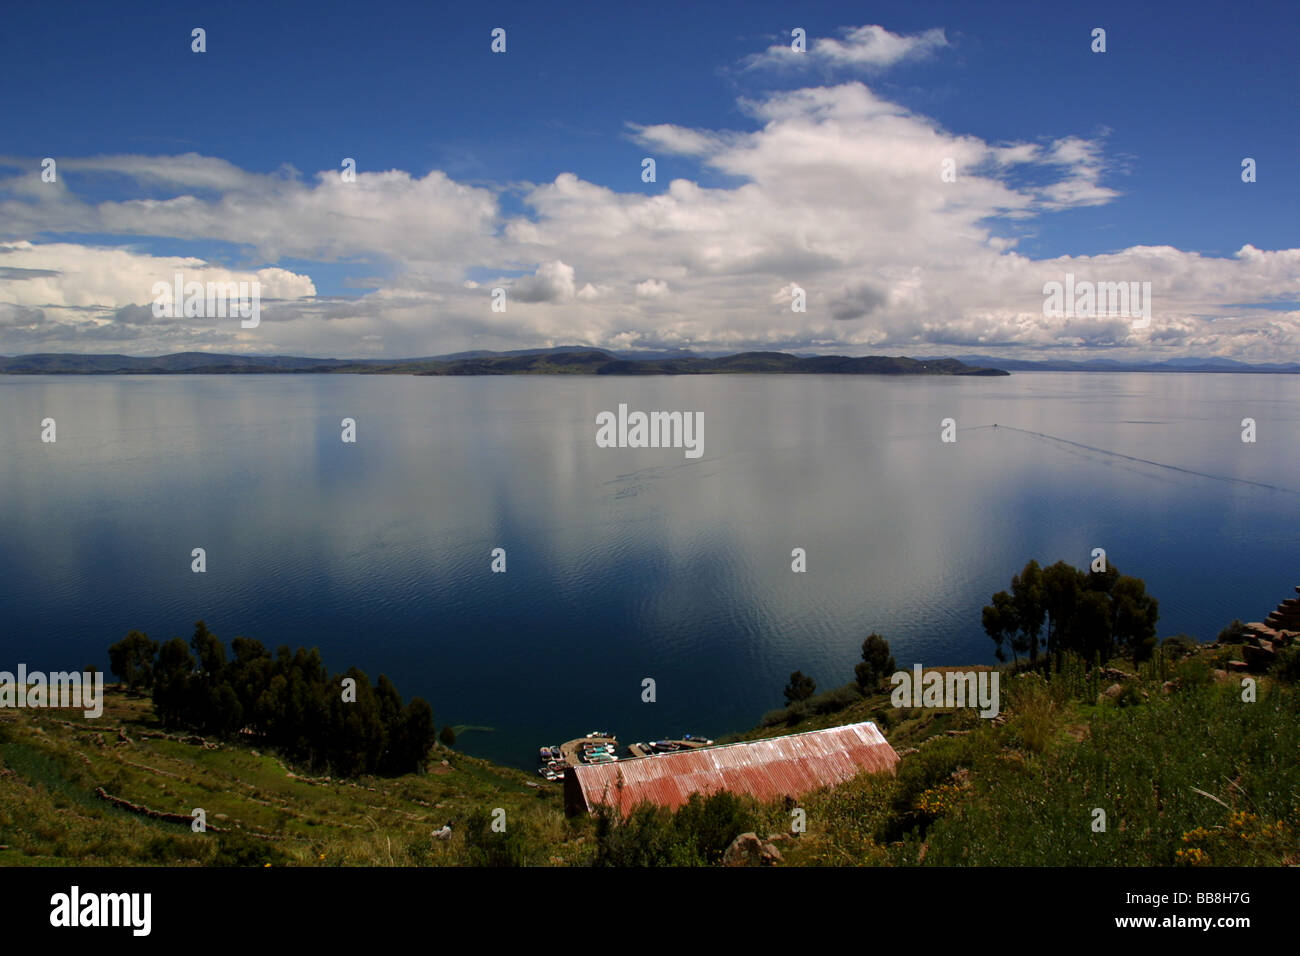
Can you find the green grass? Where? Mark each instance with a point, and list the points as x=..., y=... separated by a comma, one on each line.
x=1187, y=774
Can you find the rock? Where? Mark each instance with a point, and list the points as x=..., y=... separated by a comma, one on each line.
x=1236, y=667
x=1115, y=675
x=1113, y=691
x=1220, y=674
x=1260, y=658
x=745, y=850
x=1168, y=687
x=748, y=850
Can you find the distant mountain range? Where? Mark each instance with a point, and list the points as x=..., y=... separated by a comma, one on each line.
x=570, y=360
x=1111, y=365
x=580, y=360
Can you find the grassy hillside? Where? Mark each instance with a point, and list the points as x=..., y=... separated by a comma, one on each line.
x=1186, y=771
x=258, y=810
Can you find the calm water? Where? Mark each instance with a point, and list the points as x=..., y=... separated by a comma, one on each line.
x=623, y=564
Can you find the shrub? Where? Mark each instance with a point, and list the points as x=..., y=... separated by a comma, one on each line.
x=696, y=835
x=512, y=847
x=1287, y=665
x=1179, y=646
x=1234, y=633
x=834, y=700
x=1033, y=712
x=801, y=687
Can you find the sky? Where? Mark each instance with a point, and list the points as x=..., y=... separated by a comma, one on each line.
x=909, y=183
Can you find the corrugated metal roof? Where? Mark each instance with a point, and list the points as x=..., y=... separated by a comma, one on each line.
x=766, y=769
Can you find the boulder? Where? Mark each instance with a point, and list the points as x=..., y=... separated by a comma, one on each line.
x=748, y=850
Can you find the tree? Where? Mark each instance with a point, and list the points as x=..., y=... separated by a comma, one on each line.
x=132, y=659
x=800, y=688
x=1062, y=587
x=999, y=619
x=877, y=664
x=1133, y=616
x=1092, y=614
x=1027, y=596
x=448, y=736
x=171, y=689
x=210, y=651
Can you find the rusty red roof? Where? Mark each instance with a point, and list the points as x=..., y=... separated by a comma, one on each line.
x=766, y=769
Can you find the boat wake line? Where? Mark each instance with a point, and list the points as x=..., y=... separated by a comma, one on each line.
x=1143, y=461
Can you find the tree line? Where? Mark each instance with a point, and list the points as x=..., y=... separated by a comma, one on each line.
x=1059, y=609
x=288, y=700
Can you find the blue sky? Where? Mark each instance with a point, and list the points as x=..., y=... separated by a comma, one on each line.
x=522, y=170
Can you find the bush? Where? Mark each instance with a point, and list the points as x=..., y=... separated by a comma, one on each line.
x=696, y=835
x=795, y=714
x=1034, y=712
x=1234, y=633
x=801, y=687
x=833, y=701
x=1287, y=665
x=512, y=847
x=930, y=767
x=1179, y=646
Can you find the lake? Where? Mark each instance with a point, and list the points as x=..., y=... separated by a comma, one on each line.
x=624, y=563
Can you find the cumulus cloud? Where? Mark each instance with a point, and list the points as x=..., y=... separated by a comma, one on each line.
x=552, y=282
x=870, y=47
x=651, y=289
x=833, y=188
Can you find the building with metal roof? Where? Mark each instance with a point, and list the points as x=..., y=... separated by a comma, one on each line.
x=766, y=769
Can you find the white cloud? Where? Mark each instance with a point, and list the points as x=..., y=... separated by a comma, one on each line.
x=651, y=289
x=834, y=188
x=553, y=282
x=869, y=47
